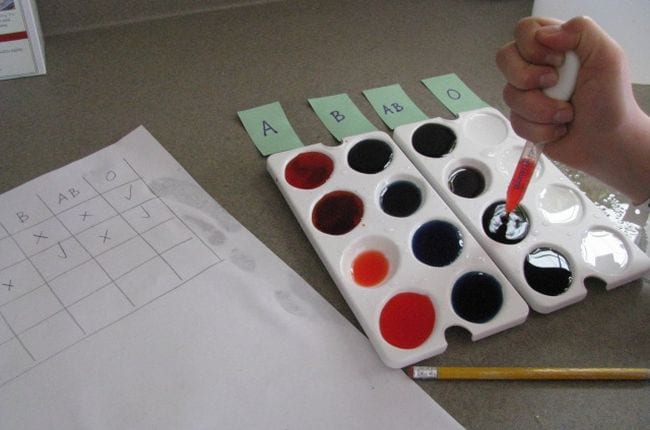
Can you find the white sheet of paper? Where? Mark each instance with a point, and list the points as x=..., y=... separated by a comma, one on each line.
x=130, y=299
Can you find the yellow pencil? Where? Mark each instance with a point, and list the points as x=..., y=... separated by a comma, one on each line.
x=537, y=373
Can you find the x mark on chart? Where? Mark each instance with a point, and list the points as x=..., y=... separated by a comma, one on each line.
x=40, y=236
x=9, y=284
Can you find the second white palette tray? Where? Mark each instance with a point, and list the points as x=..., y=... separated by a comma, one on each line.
x=558, y=237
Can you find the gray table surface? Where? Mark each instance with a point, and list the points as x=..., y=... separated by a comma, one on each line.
x=185, y=78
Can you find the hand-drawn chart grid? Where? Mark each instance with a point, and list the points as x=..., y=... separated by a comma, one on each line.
x=77, y=258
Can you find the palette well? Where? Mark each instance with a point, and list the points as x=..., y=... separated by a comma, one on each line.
x=406, y=265
x=555, y=239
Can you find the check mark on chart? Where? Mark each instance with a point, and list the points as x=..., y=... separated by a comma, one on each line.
x=65, y=254
x=130, y=196
x=146, y=214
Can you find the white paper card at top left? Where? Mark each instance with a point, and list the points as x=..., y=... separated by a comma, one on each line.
x=21, y=40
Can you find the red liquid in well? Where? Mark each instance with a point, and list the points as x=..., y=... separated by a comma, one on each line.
x=309, y=170
x=370, y=268
x=407, y=320
x=519, y=183
x=337, y=212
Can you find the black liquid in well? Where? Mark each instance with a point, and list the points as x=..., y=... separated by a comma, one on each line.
x=466, y=182
x=434, y=140
x=503, y=227
x=437, y=243
x=548, y=272
x=477, y=297
x=370, y=156
x=400, y=199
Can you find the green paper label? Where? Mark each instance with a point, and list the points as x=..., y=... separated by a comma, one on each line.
x=394, y=106
x=269, y=128
x=341, y=116
x=453, y=93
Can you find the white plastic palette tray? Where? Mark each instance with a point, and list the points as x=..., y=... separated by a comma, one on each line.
x=407, y=267
x=569, y=239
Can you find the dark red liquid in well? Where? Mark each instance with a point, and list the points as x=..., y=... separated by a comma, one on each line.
x=407, y=320
x=309, y=170
x=370, y=268
x=337, y=212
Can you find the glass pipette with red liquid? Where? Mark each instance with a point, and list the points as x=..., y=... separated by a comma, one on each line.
x=562, y=90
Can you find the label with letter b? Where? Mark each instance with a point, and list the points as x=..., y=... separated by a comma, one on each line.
x=341, y=116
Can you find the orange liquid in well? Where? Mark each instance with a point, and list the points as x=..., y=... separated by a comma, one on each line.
x=370, y=268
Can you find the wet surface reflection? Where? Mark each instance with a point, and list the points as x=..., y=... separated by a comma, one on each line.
x=503, y=227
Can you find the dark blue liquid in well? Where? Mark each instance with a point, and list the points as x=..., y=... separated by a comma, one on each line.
x=434, y=140
x=370, y=156
x=503, y=227
x=437, y=243
x=477, y=297
x=466, y=182
x=400, y=199
x=548, y=272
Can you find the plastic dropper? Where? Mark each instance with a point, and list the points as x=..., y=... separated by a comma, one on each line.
x=562, y=90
